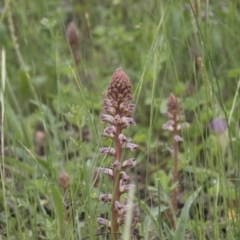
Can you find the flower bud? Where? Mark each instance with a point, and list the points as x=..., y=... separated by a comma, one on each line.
x=63, y=180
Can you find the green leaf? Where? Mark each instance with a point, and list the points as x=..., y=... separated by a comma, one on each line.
x=148, y=212
x=59, y=208
x=17, y=166
x=233, y=73
x=180, y=231
x=44, y=164
x=190, y=103
x=168, y=231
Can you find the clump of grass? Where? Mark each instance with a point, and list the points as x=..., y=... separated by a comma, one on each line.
x=118, y=108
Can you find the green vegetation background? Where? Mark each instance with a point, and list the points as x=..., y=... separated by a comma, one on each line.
x=50, y=107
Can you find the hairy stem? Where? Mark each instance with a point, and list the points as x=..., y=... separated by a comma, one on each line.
x=175, y=174
x=175, y=170
x=116, y=191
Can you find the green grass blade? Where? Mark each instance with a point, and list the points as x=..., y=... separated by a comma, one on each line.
x=181, y=227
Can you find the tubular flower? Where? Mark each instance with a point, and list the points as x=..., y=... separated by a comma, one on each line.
x=105, y=197
x=107, y=118
x=106, y=150
x=103, y=221
x=131, y=146
x=109, y=132
x=129, y=163
x=106, y=171
x=127, y=122
x=123, y=139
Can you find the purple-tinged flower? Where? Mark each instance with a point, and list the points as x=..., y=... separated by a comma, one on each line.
x=123, y=106
x=170, y=122
x=106, y=150
x=177, y=138
x=218, y=125
x=131, y=146
x=107, y=102
x=117, y=119
x=110, y=110
x=124, y=187
x=107, y=118
x=121, y=208
x=131, y=107
x=116, y=165
x=103, y=221
x=127, y=121
x=128, y=98
x=106, y=197
x=123, y=139
x=124, y=176
x=129, y=163
x=114, y=103
x=126, y=109
x=118, y=206
x=106, y=171
x=120, y=96
x=109, y=132
x=168, y=125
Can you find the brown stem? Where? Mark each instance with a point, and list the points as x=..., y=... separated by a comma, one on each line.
x=175, y=169
x=175, y=174
x=116, y=192
x=65, y=207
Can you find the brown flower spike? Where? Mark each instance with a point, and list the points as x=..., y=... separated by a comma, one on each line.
x=174, y=125
x=73, y=40
x=118, y=113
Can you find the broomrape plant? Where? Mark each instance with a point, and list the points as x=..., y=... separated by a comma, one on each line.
x=174, y=125
x=118, y=114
